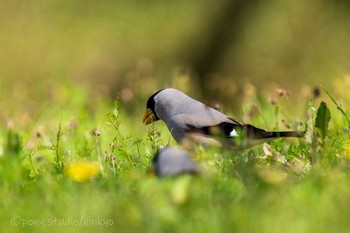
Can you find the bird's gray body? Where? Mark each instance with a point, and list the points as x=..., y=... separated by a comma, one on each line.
x=190, y=121
x=178, y=111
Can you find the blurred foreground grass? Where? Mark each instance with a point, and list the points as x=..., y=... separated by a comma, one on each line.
x=82, y=165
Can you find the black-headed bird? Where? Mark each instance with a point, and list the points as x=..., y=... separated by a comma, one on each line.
x=190, y=121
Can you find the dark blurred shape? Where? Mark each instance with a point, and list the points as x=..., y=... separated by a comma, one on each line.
x=172, y=161
x=316, y=92
x=38, y=134
x=273, y=101
x=253, y=112
x=13, y=144
x=286, y=124
x=96, y=132
x=282, y=92
x=221, y=33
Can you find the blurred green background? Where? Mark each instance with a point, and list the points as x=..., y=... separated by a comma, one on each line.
x=129, y=49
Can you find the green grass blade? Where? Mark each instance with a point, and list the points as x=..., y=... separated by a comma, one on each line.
x=347, y=116
x=322, y=119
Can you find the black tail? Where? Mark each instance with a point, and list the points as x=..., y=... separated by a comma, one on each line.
x=283, y=134
x=232, y=130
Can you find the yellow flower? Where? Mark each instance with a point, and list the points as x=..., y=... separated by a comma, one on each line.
x=82, y=170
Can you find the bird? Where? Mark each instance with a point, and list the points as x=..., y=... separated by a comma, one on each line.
x=190, y=121
x=172, y=161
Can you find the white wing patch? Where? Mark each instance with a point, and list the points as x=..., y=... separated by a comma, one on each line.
x=234, y=133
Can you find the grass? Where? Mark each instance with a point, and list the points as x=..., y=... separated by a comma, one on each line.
x=80, y=169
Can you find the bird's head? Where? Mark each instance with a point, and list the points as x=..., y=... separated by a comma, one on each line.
x=150, y=114
x=166, y=103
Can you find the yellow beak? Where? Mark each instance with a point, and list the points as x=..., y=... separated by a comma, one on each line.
x=148, y=117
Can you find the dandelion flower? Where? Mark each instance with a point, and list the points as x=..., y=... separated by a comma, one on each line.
x=82, y=170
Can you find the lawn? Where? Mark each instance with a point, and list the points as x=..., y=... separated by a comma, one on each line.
x=75, y=167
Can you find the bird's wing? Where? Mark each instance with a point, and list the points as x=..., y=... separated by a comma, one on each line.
x=230, y=128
